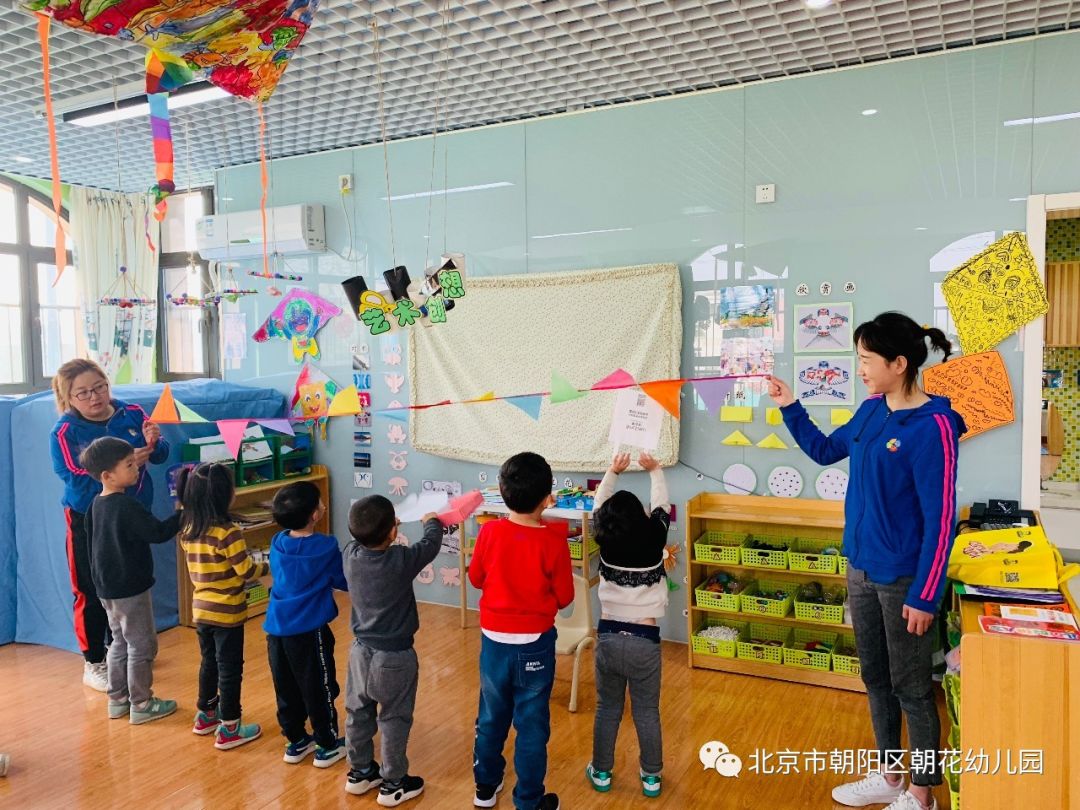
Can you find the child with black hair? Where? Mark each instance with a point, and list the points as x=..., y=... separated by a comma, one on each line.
x=119, y=530
x=522, y=565
x=380, y=689
x=300, y=644
x=633, y=596
x=219, y=566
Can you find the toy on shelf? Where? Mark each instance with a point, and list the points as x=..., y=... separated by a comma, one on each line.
x=128, y=295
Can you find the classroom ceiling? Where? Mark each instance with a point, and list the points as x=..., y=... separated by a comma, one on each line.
x=506, y=60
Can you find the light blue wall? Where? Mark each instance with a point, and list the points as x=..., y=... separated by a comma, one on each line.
x=863, y=199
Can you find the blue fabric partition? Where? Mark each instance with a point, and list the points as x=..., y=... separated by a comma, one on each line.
x=7, y=525
x=43, y=587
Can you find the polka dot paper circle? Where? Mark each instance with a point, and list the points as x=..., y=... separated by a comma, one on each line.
x=785, y=482
x=739, y=480
x=831, y=484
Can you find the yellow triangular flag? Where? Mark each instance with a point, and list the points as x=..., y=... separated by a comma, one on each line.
x=345, y=402
x=737, y=439
x=773, y=416
x=488, y=397
x=841, y=416
x=736, y=413
x=772, y=442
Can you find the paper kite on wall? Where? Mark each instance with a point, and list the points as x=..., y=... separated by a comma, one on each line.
x=297, y=317
x=311, y=398
x=995, y=293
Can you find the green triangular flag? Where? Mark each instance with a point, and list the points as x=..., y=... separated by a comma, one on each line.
x=123, y=374
x=185, y=413
x=562, y=390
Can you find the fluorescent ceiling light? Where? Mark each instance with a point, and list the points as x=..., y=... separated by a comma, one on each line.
x=1042, y=119
x=581, y=233
x=439, y=191
x=817, y=4
x=136, y=107
x=870, y=111
x=920, y=228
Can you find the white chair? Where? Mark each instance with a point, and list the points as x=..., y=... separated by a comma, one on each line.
x=575, y=631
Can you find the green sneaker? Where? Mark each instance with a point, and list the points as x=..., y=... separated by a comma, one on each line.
x=154, y=710
x=600, y=780
x=119, y=709
x=650, y=785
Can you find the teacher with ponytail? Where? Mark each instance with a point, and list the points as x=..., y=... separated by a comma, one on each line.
x=899, y=524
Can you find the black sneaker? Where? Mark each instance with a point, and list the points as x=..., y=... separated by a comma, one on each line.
x=360, y=782
x=391, y=794
x=549, y=802
x=486, y=795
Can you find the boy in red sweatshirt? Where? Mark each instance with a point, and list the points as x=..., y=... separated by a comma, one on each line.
x=522, y=565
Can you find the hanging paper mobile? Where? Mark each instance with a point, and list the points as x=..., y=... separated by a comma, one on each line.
x=125, y=293
x=297, y=318
x=224, y=287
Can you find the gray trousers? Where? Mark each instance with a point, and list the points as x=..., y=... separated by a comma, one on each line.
x=133, y=649
x=622, y=661
x=380, y=693
x=897, y=669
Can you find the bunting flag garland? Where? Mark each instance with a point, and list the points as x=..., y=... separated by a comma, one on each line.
x=345, y=403
x=666, y=393
x=232, y=433
x=280, y=425
x=714, y=393
x=562, y=390
x=186, y=414
x=530, y=404
x=164, y=412
x=615, y=380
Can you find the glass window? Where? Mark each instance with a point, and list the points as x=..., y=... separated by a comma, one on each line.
x=12, y=368
x=184, y=344
x=8, y=224
x=58, y=311
x=178, y=229
x=42, y=224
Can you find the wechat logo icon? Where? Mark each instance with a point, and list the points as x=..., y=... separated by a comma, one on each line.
x=714, y=755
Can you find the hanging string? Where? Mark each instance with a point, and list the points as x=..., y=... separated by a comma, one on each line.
x=382, y=126
x=264, y=180
x=444, y=50
x=43, y=22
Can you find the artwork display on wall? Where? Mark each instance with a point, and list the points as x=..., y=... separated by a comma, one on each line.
x=823, y=327
x=824, y=380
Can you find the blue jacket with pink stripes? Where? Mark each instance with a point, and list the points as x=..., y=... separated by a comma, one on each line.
x=900, y=508
x=72, y=434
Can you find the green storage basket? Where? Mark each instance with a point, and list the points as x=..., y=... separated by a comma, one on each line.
x=846, y=664
x=763, y=653
x=760, y=558
x=711, y=646
x=720, y=601
x=254, y=594
x=718, y=547
x=841, y=568
x=806, y=555
x=752, y=601
x=575, y=548
x=808, y=659
x=823, y=614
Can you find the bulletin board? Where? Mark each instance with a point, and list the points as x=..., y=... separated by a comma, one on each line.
x=509, y=333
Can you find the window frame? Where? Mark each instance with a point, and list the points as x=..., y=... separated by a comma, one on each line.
x=30, y=256
x=209, y=323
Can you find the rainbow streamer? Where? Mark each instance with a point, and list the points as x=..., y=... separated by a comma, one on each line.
x=163, y=152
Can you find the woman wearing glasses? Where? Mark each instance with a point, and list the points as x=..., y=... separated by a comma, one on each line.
x=88, y=412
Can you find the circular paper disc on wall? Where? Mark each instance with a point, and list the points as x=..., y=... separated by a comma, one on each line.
x=785, y=482
x=739, y=480
x=831, y=484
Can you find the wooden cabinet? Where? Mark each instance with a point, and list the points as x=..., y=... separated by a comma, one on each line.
x=786, y=518
x=256, y=536
x=1063, y=292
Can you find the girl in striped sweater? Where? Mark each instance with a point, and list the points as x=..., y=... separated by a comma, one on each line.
x=219, y=566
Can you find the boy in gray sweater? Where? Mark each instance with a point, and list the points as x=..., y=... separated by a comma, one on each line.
x=383, y=669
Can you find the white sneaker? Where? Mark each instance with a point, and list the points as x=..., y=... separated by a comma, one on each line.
x=96, y=676
x=908, y=802
x=873, y=789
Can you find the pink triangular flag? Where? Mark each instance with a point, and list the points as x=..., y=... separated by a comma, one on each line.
x=713, y=392
x=616, y=379
x=232, y=433
x=280, y=425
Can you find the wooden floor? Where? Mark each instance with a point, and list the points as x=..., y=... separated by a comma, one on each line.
x=66, y=753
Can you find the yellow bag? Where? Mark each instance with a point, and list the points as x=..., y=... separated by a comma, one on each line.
x=1005, y=558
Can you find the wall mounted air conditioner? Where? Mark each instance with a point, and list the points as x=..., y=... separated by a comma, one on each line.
x=289, y=229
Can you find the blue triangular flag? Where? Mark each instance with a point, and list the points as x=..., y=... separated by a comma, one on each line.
x=398, y=415
x=529, y=404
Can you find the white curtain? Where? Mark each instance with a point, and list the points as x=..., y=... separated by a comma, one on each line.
x=110, y=230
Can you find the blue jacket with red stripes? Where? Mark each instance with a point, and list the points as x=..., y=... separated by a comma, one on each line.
x=900, y=508
x=72, y=434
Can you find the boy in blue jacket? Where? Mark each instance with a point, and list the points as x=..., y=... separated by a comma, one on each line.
x=307, y=567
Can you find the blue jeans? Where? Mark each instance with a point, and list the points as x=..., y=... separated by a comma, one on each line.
x=515, y=685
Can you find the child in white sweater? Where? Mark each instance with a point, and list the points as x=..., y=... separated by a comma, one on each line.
x=633, y=596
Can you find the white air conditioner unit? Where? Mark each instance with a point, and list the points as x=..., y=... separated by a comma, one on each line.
x=289, y=229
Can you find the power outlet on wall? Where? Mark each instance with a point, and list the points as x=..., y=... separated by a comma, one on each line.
x=344, y=182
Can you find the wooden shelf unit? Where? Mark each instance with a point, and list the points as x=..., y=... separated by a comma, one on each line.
x=256, y=537
x=585, y=566
x=753, y=514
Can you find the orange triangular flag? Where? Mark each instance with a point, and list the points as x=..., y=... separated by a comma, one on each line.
x=165, y=410
x=666, y=392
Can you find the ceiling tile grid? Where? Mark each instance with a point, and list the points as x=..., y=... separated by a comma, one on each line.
x=488, y=61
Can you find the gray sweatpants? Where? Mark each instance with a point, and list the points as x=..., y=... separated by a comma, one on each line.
x=133, y=649
x=624, y=661
x=386, y=680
